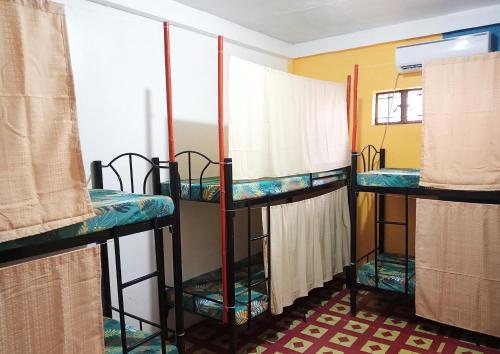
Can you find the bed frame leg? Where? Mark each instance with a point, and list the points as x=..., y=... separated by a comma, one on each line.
x=353, y=213
x=160, y=268
x=105, y=285
x=228, y=176
x=177, y=258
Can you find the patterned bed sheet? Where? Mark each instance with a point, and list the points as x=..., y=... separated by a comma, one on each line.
x=390, y=177
x=112, y=340
x=251, y=189
x=112, y=208
x=391, y=273
x=209, y=286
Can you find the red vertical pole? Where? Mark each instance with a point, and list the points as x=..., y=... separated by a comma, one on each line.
x=222, y=198
x=168, y=77
x=348, y=88
x=355, y=110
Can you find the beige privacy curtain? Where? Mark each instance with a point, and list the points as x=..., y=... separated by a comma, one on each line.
x=309, y=245
x=42, y=182
x=461, y=125
x=282, y=124
x=52, y=305
x=458, y=278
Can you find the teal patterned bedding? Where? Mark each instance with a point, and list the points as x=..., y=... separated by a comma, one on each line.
x=390, y=177
x=250, y=189
x=390, y=276
x=209, y=286
x=112, y=340
x=112, y=208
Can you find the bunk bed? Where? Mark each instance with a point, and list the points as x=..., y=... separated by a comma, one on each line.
x=238, y=292
x=378, y=270
x=119, y=214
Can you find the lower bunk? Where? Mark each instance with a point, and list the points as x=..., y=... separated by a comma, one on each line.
x=388, y=272
x=202, y=295
x=113, y=340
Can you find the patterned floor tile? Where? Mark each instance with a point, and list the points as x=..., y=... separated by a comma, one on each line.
x=393, y=321
x=328, y=319
x=406, y=351
x=462, y=350
x=298, y=344
x=343, y=339
x=356, y=326
x=419, y=342
x=326, y=350
x=340, y=308
x=314, y=331
x=375, y=347
x=366, y=315
x=387, y=334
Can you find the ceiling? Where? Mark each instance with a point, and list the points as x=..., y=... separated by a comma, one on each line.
x=297, y=21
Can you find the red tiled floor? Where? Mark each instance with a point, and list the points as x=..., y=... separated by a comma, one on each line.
x=328, y=329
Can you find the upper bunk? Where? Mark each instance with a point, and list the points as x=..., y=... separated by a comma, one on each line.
x=117, y=213
x=254, y=191
x=375, y=177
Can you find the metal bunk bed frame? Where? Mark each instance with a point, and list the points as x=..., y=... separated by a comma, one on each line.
x=228, y=208
x=172, y=222
x=368, y=157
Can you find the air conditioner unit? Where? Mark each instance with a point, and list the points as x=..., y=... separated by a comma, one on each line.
x=411, y=57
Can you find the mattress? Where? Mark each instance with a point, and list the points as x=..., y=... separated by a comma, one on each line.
x=112, y=340
x=391, y=273
x=209, y=190
x=209, y=286
x=112, y=208
x=390, y=177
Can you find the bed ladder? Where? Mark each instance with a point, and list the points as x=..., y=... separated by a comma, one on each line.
x=251, y=239
x=379, y=232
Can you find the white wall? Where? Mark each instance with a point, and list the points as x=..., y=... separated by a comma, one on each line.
x=118, y=70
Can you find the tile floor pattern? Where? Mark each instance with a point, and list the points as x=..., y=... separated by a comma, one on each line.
x=384, y=324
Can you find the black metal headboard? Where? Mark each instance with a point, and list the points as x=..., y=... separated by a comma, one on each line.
x=153, y=171
x=369, y=155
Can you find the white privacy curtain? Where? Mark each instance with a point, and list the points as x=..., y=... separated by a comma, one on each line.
x=310, y=243
x=282, y=124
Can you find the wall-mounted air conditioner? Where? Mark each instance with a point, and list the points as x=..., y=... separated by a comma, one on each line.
x=411, y=57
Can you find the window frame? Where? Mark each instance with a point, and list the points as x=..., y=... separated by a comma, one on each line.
x=404, y=106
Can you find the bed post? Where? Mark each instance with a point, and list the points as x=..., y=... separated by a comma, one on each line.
x=177, y=256
x=222, y=172
x=228, y=175
x=381, y=208
x=353, y=212
x=168, y=86
x=97, y=183
x=355, y=111
x=348, y=100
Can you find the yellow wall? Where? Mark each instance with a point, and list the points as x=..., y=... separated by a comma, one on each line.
x=377, y=72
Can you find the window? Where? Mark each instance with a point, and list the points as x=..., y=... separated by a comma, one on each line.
x=398, y=107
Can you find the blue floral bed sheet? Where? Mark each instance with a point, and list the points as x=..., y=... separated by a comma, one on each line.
x=209, y=286
x=112, y=208
x=391, y=273
x=390, y=177
x=112, y=340
x=250, y=189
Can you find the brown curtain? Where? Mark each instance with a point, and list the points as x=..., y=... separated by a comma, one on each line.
x=461, y=123
x=457, y=264
x=42, y=182
x=52, y=305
